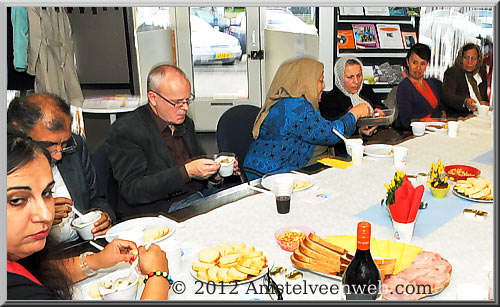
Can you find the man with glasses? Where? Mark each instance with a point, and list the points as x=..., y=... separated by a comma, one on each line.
x=46, y=118
x=154, y=153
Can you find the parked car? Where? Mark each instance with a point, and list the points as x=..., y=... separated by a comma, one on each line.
x=284, y=20
x=211, y=46
x=212, y=18
x=239, y=30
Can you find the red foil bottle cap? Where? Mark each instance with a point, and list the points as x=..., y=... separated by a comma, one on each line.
x=364, y=233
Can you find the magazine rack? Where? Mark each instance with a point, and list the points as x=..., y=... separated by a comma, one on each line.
x=371, y=52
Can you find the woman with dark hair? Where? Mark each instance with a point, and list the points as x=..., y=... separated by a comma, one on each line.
x=289, y=126
x=418, y=97
x=32, y=273
x=465, y=83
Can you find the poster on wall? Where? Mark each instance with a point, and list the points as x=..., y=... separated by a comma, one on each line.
x=365, y=36
x=409, y=39
x=389, y=36
x=345, y=39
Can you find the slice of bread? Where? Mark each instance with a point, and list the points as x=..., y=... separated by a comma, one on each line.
x=313, y=267
x=209, y=255
x=201, y=266
x=304, y=249
x=246, y=251
x=313, y=237
x=234, y=274
x=325, y=251
x=334, y=266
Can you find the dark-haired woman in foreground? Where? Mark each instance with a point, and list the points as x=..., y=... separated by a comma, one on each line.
x=32, y=274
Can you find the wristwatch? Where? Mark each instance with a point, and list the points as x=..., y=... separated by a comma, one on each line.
x=84, y=265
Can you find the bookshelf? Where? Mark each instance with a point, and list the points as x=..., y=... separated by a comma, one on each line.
x=378, y=55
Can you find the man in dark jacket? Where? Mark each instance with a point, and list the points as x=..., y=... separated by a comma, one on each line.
x=153, y=151
x=46, y=118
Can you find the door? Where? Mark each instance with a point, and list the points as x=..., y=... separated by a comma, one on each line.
x=223, y=73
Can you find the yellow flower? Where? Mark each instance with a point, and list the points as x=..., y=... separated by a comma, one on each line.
x=445, y=179
x=387, y=187
x=451, y=178
x=430, y=180
x=393, y=183
x=439, y=162
x=435, y=184
x=432, y=165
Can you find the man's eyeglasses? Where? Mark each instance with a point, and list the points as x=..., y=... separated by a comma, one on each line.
x=177, y=103
x=64, y=146
x=272, y=288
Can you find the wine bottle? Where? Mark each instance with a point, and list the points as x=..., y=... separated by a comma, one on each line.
x=361, y=279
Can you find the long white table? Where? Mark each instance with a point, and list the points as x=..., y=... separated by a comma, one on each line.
x=466, y=243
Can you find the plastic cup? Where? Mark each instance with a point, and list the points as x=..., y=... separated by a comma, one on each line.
x=453, y=129
x=400, y=155
x=418, y=128
x=357, y=153
x=403, y=232
x=349, y=143
x=283, y=192
x=482, y=110
x=226, y=160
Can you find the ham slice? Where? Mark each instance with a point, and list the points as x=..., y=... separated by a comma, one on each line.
x=428, y=271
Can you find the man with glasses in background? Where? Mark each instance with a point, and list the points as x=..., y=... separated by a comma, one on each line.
x=153, y=151
x=46, y=118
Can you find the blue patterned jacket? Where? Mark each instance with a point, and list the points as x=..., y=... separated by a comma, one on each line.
x=288, y=136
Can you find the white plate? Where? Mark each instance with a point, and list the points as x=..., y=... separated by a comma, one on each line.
x=268, y=180
x=262, y=272
x=471, y=199
x=378, y=150
x=146, y=222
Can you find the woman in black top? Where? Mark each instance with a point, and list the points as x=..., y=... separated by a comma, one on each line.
x=348, y=92
x=32, y=275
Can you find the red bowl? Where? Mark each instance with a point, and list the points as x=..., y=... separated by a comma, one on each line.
x=290, y=246
x=451, y=171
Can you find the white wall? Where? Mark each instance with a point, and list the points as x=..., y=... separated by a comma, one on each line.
x=326, y=35
x=282, y=46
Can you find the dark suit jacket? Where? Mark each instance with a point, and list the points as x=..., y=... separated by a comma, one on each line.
x=142, y=166
x=456, y=90
x=80, y=178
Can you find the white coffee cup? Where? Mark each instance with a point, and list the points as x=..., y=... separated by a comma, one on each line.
x=357, y=151
x=226, y=161
x=349, y=143
x=482, y=110
x=418, y=128
x=403, y=232
x=400, y=156
x=453, y=129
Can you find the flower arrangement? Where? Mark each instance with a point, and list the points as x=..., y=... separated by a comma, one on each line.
x=396, y=182
x=438, y=177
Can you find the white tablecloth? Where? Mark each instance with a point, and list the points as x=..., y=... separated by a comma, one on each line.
x=466, y=243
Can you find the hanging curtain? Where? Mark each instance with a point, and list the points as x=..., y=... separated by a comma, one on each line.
x=51, y=55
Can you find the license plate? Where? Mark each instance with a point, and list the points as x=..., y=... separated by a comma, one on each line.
x=223, y=55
